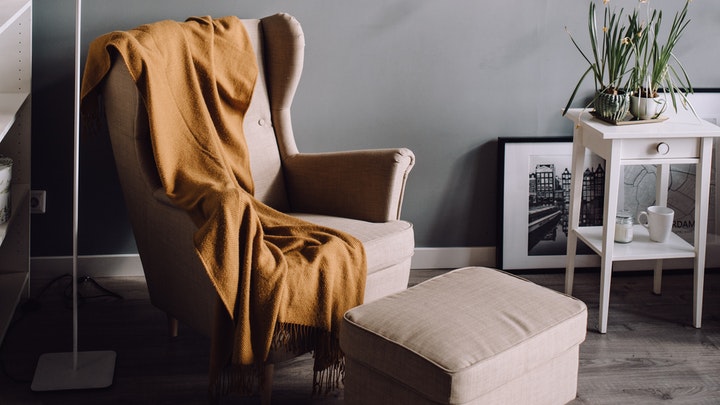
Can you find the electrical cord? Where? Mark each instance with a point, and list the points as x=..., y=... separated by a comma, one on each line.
x=85, y=282
x=89, y=280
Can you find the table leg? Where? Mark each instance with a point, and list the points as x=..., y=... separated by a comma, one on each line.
x=570, y=262
x=578, y=161
x=657, y=277
x=605, y=276
x=702, y=195
x=661, y=193
x=612, y=187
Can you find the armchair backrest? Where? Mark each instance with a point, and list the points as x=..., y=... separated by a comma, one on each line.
x=279, y=46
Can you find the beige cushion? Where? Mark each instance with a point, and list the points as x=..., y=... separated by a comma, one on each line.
x=458, y=336
x=386, y=243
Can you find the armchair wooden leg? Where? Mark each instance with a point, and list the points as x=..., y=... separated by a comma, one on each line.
x=266, y=385
x=172, y=326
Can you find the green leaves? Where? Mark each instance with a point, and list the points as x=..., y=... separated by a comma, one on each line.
x=656, y=66
x=610, y=51
x=631, y=56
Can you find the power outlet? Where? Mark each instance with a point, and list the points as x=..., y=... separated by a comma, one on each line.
x=37, y=201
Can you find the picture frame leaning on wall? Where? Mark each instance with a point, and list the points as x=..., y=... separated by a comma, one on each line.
x=534, y=180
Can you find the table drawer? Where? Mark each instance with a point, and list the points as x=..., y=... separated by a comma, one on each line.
x=672, y=148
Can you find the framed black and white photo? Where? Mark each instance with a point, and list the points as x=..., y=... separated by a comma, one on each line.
x=534, y=187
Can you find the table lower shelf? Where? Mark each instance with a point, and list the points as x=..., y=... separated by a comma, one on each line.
x=641, y=247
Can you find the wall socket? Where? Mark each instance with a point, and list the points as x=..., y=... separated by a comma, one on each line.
x=37, y=201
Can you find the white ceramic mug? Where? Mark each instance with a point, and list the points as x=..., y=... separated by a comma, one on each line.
x=658, y=221
x=5, y=178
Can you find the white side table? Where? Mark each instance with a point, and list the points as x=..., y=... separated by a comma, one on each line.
x=682, y=139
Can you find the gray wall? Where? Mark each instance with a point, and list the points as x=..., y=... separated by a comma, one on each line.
x=444, y=78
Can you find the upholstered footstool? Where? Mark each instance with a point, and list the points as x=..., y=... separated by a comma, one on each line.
x=471, y=336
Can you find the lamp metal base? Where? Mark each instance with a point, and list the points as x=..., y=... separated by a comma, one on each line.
x=55, y=371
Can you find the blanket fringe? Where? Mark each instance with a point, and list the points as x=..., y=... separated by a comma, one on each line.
x=328, y=368
x=329, y=379
x=294, y=338
x=244, y=380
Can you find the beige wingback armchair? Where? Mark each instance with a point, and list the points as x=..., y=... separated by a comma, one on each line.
x=359, y=192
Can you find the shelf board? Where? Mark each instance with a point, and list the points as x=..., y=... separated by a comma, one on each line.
x=11, y=289
x=10, y=103
x=641, y=248
x=11, y=10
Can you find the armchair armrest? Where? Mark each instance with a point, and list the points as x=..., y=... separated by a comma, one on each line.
x=363, y=184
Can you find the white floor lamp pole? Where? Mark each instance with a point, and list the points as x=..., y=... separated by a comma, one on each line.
x=75, y=370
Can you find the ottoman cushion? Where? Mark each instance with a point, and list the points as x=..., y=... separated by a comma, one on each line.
x=458, y=336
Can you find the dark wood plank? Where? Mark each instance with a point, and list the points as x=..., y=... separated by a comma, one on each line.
x=650, y=353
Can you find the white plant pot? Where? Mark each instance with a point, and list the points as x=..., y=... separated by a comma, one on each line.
x=644, y=108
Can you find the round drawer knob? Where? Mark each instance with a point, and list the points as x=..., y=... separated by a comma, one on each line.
x=663, y=148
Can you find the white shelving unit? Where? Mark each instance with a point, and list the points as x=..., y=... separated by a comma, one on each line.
x=15, y=82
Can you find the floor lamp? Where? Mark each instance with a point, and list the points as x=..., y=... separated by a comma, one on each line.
x=75, y=370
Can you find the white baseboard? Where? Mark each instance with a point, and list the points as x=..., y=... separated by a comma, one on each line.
x=49, y=267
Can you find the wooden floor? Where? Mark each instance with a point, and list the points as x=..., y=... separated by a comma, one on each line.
x=650, y=354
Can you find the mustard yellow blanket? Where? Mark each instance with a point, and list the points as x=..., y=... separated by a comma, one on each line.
x=282, y=281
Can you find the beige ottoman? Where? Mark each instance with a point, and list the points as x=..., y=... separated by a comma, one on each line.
x=471, y=336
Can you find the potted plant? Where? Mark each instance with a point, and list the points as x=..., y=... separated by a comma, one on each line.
x=656, y=66
x=608, y=62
